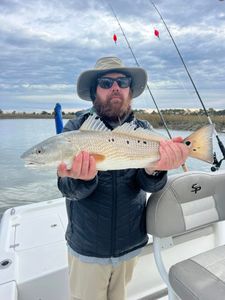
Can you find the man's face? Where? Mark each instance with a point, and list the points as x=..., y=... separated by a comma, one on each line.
x=115, y=101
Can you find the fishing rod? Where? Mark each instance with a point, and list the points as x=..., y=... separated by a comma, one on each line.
x=216, y=163
x=185, y=169
x=136, y=61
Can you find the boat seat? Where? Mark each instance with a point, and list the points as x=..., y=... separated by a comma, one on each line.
x=189, y=201
x=200, y=277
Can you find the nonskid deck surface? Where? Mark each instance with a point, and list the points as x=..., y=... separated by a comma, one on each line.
x=32, y=237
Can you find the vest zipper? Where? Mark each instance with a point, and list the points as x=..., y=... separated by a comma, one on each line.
x=114, y=207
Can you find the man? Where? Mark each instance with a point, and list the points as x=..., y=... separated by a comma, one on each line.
x=106, y=210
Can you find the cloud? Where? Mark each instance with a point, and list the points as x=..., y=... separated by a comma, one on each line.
x=46, y=45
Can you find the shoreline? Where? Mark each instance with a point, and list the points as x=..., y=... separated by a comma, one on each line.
x=173, y=121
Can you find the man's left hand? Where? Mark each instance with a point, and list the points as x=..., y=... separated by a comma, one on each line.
x=173, y=154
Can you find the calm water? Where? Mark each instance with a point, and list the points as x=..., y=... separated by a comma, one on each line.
x=20, y=185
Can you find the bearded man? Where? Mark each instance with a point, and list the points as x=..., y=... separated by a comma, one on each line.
x=106, y=209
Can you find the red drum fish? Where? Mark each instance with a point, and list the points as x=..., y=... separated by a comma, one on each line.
x=124, y=147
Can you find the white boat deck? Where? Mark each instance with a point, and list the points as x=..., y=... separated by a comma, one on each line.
x=32, y=240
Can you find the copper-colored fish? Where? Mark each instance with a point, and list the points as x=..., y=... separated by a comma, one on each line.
x=124, y=147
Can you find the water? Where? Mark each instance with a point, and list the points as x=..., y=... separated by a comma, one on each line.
x=20, y=185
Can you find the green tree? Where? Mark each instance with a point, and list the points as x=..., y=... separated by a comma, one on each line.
x=44, y=112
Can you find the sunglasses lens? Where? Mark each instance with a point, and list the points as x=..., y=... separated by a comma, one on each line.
x=123, y=82
x=107, y=83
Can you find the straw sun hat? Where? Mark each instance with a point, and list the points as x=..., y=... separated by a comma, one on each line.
x=106, y=65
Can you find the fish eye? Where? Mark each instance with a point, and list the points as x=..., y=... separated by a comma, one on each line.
x=188, y=143
x=39, y=151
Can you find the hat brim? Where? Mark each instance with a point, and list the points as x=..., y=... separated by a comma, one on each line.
x=87, y=78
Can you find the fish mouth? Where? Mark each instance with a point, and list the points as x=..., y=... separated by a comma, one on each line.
x=33, y=164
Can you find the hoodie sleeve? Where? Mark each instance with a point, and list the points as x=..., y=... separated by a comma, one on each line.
x=76, y=189
x=151, y=183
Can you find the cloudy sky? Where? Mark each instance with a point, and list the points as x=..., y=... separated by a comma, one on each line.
x=45, y=45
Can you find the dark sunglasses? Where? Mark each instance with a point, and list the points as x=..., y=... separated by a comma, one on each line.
x=107, y=82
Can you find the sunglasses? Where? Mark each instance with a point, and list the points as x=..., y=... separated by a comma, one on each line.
x=107, y=82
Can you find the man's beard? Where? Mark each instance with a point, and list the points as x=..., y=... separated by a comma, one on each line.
x=111, y=108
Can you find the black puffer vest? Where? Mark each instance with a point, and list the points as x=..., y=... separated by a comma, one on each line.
x=106, y=216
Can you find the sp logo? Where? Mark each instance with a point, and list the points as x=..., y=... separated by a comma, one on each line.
x=196, y=188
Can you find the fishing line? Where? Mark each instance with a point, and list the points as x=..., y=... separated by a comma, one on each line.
x=216, y=163
x=136, y=61
x=149, y=90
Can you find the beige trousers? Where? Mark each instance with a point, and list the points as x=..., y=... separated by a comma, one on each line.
x=90, y=281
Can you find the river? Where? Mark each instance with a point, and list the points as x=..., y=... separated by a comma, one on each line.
x=20, y=185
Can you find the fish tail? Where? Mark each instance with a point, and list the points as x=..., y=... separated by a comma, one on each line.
x=200, y=143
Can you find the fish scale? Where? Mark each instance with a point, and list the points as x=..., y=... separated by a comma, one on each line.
x=126, y=146
x=115, y=148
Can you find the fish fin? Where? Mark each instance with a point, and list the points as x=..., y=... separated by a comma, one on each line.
x=93, y=123
x=200, y=143
x=138, y=132
x=98, y=157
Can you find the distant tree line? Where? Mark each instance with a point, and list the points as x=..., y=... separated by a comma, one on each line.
x=175, y=111
x=35, y=113
x=182, y=119
x=180, y=111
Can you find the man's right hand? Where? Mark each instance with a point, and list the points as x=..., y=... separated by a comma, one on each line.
x=83, y=167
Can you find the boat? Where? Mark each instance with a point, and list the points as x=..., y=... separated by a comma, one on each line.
x=33, y=251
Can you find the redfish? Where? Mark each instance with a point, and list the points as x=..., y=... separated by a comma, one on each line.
x=124, y=147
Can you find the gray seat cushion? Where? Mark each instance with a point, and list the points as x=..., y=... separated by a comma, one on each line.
x=200, y=277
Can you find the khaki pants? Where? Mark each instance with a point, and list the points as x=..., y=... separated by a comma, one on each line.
x=90, y=281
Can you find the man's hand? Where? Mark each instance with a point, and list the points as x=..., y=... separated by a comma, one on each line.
x=83, y=167
x=172, y=155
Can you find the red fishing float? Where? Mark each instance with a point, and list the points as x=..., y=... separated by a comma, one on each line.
x=156, y=33
x=115, y=38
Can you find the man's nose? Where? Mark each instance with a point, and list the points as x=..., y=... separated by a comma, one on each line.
x=115, y=86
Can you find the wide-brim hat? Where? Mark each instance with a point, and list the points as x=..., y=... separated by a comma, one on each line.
x=105, y=65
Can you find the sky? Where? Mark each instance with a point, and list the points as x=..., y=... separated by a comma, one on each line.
x=45, y=45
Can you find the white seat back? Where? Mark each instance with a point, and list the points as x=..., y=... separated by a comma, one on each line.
x=188, y=201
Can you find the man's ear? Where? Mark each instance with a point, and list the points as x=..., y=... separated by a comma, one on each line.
x=131, y=92
x=93, y=93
